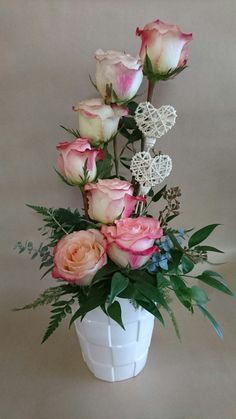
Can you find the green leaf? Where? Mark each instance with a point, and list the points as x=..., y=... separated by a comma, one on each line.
x=104, y=166
x=64, y=180
x=92, y=82
x=171, y=217
x=208, y=249
x=152, y=308
x=201, y=235
x=176, y=256
x=106, y=272
x=71, y=131
x=55, y=320
x=187, y=264
x=147, y=68
x=182, y=292
x=118, y=284
x=198, y=295
x=132, y=107
x=212, y=320
x=114, y=311
x=88, y=305
x=49, y=296
x=159, y=194
x=209, y=278
x=175, y=324
x=129, y=122
x=151, y=293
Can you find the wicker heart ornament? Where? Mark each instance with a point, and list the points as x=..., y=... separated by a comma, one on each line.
x=150, y=171
x=154, y=122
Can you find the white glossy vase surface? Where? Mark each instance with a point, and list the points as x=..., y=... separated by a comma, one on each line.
x=111, y=353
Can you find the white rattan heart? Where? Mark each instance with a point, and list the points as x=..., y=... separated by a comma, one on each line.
x=149, y=171
x=154, y=122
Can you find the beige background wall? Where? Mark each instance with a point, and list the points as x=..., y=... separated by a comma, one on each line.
x=46, y=56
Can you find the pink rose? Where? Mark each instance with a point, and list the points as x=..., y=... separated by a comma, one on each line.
x=130, y=242
x=78, y=256
x=165, y=45
x=77, y=161
x=110, y=199
x=120, y=69
x=97, y=120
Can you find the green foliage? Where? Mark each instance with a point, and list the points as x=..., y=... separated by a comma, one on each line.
x=187, y=264
x=59, y=312
x=71, y=131
x=61, y=221
x=119, y=283
x=114, y=311
x=153, y=76
x=208, y=249
x=159, y=194
x=210, y=278
x=212, y=320
x=104, y=166
x=152, y=308
x=201, y=235
x=49, y=296
x=198, y=295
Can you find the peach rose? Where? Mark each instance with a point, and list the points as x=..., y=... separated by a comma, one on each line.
x=165, y=45
x=109, y=199
x=130, y=242
x=98, y=121
x=77, y=161
x=122, y=70
x=78, y=256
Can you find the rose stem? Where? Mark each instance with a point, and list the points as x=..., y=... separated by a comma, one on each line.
x=151, y=87
x=116, y=161
x=85, y=202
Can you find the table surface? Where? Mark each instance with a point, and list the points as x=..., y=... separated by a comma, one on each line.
x=195, y=379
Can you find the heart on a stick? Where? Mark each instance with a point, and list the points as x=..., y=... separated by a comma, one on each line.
x=148, y=170
x=154, y=122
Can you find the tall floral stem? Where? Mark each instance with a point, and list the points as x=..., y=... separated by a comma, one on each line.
x=85, y=201
x=116, y=160
x=151, y=87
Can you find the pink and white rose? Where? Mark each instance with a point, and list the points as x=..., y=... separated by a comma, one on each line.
x=98, y=121
x=121, y=70
x=109, y=199
x=77, y=161
x=130, y=242
x=165, y=44
x=79, y=255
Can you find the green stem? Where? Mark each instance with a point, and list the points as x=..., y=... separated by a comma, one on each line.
x=85, y=201
x=57, y=222
x=116, y=161
x=151, y=86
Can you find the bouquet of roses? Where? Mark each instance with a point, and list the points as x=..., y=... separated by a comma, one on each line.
x=115, y=249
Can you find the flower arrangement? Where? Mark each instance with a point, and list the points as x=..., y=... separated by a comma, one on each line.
x=115, y=248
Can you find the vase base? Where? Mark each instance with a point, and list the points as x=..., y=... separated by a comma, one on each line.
x=117, y=373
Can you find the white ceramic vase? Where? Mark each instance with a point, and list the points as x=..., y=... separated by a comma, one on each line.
x=111, y=353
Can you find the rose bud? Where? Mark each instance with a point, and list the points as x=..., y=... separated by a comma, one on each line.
x=130, y=242
x=78, y=256
x=98, y=121
x=77, y=161
x=121, y=70
x=165, y=45
x=109, y=199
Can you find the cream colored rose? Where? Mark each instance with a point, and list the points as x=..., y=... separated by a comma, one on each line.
x=121, y=70
x=165, y=44
x=109, y=199
x=97, y=121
